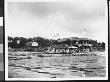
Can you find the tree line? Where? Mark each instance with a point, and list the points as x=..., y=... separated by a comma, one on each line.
x=43, y=42
x=13, y=41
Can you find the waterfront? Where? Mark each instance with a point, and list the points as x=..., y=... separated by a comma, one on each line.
x=22, y=64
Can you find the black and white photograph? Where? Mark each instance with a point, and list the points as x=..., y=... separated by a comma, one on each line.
x=56, y=40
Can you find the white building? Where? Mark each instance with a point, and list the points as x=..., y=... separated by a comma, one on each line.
x=34, y=44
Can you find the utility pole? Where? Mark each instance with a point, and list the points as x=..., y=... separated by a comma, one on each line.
x=84, y=31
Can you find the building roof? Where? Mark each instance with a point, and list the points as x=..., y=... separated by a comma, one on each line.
x=31, y=44
x=72, y=47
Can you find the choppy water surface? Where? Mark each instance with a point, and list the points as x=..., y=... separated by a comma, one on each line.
x=29, y=65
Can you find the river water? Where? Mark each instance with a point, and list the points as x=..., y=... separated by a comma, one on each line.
x=30, y=65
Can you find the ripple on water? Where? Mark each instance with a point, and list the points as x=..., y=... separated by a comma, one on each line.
x=61, y=66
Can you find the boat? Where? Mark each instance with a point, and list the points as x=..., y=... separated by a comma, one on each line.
x=59, y=49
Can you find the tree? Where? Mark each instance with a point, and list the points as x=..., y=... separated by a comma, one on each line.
x=68, y=42
x=23, y=42
x=103, y=46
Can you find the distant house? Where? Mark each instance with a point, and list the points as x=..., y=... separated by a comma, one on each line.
x=84, y=46
x=31, y=46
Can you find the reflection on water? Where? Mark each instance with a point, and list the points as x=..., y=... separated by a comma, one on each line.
x=24, y=64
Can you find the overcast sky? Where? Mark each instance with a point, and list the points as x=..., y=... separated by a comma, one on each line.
x=68, y=19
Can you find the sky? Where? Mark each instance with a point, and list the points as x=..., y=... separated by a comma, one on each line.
x=58, y=19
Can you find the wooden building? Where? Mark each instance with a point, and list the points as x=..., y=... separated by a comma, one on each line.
x=31, y=46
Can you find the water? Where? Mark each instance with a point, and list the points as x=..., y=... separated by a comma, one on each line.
x=30, y=65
